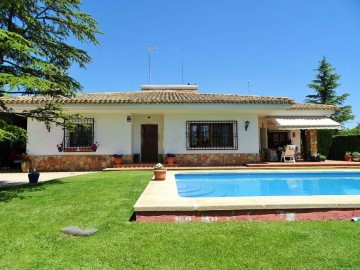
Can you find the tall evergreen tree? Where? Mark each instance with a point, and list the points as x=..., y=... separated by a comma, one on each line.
x=36, y=54
x=324, y=84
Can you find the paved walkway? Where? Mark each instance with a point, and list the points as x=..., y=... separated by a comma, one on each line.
x=22, y=178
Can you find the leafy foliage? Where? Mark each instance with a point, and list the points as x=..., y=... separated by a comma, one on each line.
x=9, y=132
x=35, y=54
x=352, y=131
x=324, y=139
x=324, y=84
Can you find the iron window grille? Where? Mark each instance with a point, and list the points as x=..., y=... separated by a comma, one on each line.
x=82, y=137
x=211, y=135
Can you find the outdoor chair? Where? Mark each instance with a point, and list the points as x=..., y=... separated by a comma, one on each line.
x=288, y=153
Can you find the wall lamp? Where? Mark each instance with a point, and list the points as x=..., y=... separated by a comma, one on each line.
x=128, y=118
x=247, y=123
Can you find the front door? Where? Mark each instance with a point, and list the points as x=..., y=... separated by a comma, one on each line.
x=149, y=143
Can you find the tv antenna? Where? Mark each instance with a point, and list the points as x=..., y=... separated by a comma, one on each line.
x=150, y=49
x=182, y=66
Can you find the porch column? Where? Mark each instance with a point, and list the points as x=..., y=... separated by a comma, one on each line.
x=311, y=136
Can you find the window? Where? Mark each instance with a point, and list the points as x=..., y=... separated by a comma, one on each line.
x=81, y=137
x=211, y=135
x=278, y=138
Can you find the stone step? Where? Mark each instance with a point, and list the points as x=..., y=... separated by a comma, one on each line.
x=144, y=165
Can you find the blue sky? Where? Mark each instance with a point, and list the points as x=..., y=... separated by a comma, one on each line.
x=274, y=44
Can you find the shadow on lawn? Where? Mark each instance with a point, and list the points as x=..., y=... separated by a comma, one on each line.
x=9, y=192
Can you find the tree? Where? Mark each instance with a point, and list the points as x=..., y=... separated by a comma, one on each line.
x=36, y=54
x=324, y=84
x=352, y=131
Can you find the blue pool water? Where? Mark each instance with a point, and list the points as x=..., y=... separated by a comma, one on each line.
x=198, y=185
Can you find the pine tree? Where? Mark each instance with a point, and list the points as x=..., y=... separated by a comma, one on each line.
x=324, y=84
x=36, y=54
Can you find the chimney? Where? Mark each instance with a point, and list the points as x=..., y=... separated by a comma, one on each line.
x=193, y=88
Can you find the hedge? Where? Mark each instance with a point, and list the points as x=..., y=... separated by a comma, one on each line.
x=324, y=139
x=342, y=143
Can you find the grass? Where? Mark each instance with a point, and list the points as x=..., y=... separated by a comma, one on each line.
x=31, y=217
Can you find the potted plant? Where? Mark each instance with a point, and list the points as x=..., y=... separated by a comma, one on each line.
x=322, y=157
x=118, y=159
x=60, y=147
x=348, y=156
x=159, y=172
x=94, y=146
x=33, y=176
x=25, y=162
x=355, y=156
x=315, y=158
x=170, y=158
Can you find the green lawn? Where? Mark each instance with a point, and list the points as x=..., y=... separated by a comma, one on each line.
x=31, y=217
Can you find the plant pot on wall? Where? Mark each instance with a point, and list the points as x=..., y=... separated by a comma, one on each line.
x=348, y=158
x=118, y=160
x=170, y=160
x=159, y=172
x=160, y=175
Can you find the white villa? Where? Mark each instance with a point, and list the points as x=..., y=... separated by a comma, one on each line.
x=143, y=126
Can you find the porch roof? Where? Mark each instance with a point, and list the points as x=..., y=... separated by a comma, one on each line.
x=286, y=123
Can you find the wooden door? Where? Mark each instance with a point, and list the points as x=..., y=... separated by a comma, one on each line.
x=149, y=143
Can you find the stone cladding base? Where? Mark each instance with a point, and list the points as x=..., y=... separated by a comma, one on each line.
x=75, y=162
x=98, y=162
x=215, y=159
x=243, y=215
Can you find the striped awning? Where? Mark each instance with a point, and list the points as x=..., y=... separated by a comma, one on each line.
x=287, y=122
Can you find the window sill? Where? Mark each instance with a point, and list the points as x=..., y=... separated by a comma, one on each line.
x=80, y=149
x=211, y=148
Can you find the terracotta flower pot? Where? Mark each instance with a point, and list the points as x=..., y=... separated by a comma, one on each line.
x=170, y=160
x=118, y=160
x=348, y=158
x=160, y=175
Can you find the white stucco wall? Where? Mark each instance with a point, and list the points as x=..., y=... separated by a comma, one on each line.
x=112, y=132
x=175, y=131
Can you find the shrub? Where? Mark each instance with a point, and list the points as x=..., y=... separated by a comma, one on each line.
x=342, y=144
x=158, y=166
x=324, y=138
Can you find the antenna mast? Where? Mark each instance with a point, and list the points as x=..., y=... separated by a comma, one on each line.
x=150, y=50
x=182, y=66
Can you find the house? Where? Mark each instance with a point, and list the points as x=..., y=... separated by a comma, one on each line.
x=143, y=126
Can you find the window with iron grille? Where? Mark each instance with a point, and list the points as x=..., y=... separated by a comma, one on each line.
x=211, y=135
x=81, y=137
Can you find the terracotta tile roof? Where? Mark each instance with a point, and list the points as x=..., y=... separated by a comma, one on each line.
x=153, y=97
x=311, y=106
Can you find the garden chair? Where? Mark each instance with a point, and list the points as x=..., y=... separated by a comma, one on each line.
x=288, y=153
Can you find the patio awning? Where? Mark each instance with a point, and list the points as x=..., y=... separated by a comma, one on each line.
x=304, y=122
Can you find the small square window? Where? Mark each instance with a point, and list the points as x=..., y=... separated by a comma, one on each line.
x=82, y=137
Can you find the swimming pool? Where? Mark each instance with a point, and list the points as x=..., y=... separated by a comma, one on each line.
x=206, y=185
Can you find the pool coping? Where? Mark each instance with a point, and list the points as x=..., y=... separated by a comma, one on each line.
x=162, y=196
